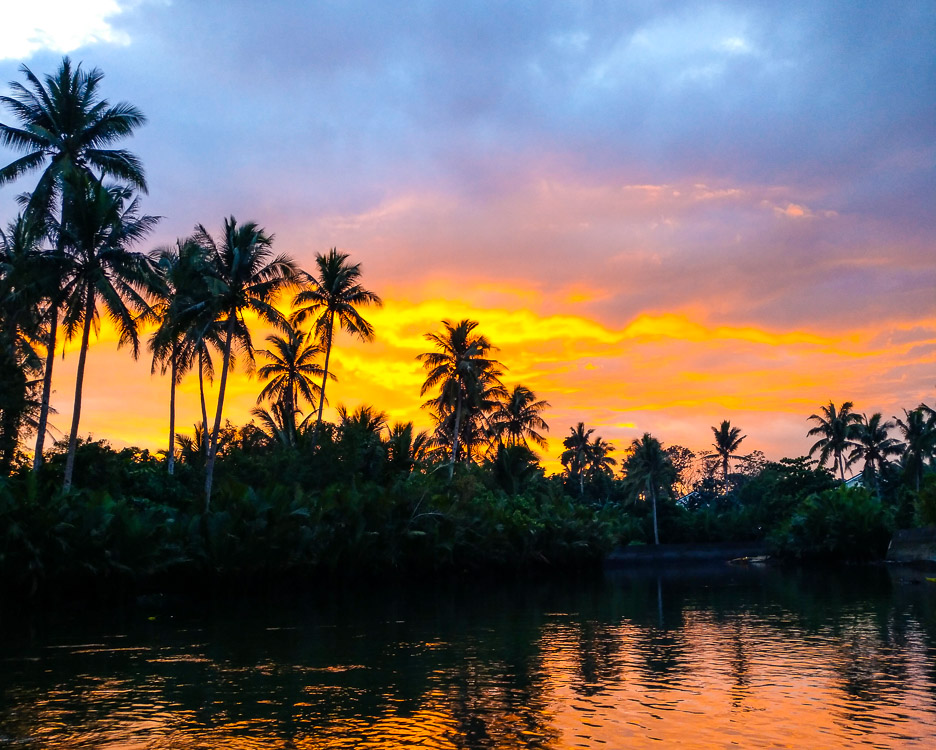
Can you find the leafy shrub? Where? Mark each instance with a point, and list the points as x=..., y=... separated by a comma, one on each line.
x=845, y=524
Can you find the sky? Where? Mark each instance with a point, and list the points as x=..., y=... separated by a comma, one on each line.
x=663, y=214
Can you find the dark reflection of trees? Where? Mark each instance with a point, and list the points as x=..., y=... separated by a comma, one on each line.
x=598, y=654
x=347, y=663
x=289, y=671
x=740, y=665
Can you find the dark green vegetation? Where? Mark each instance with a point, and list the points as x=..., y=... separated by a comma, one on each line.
x=293, y=494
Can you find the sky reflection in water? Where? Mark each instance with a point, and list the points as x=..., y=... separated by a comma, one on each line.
x=746, y=658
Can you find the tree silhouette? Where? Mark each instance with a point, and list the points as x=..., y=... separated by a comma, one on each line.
x=837, y=428
x=334, y=296
x=64, y=128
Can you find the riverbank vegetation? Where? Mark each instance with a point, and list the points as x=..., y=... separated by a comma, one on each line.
x=291, y=493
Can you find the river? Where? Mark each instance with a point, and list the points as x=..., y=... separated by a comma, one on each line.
x=718, y=657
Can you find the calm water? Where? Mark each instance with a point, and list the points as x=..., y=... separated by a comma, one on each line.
x=728, y=658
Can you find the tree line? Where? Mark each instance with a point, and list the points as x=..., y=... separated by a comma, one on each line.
x=70, y=258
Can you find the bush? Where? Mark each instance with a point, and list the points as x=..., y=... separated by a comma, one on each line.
x=842, y=524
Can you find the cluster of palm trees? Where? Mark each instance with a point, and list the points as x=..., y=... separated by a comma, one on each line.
x=474, y=413
x=196, y=293
x=848, y=439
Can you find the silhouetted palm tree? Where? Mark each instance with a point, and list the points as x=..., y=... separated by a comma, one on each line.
x=405, y=447
x=467, y=378
x=649, y=470
x=359, y=440
x=874, y=446
x=837, y=428
x=918, y=430
x=24, y=271
x=599, y=458
x=183, y=270
x=517, y=417
x=248, y=278
x=101, y=225
x=576, y=455
x=333, y=298
x=64, y=128
x=586, y=458
x=727, y=441
x=291, y=370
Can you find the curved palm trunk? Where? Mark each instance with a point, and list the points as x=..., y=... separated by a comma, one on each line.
x=170, y=460
x=76, y=414
x=725, y=472
x=46, y=390
x=328, y=347
x=653, y=499
x=213, y=444
x=458, y=409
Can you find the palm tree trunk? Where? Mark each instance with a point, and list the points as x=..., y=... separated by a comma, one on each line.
x=725, y=472
x=204, y=409
x=328, y=347
x=213, y=444
x=46, y=390
x=458, y=408
x=652, y=491
x=76, y=414
x=170, y=457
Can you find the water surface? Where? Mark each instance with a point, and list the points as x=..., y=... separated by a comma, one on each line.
x=719, y=658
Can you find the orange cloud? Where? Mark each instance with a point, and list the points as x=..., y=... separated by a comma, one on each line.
x=672, y=374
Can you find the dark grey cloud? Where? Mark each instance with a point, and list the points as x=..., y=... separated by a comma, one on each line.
x=282, y=111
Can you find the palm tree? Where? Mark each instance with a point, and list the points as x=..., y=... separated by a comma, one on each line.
x=290, y=369
x=575, y=456
x=23, y=271
x=464, y=373
x=517, y=416
x=65, y=127
x=334, y=297
x=727, y=441
x=874, y=446
x=101, y=224
x=182, y=285
x=837, y=428
x=599, y=458
x=359, y=439
x=918, y=430
x=649, y=470
x=405, y=447
x=247, y=277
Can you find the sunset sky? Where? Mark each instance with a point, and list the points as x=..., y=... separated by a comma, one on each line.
x=664, y=214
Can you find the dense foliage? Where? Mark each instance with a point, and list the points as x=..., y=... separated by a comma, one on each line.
x=295, y=494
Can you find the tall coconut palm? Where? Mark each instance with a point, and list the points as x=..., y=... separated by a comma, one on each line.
x=727, y=441
x=65, y=127
x=599, y=458
x=918, y=429
x=837, y=428
x=463, y=372
x=291, y=369
x=648, y=470
x=101, y=225
x=874, y=447
x=516, y=418
x=577, y=454
x=248, y=278
x=333, y=298
x=23, y=272
x=176, y=344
